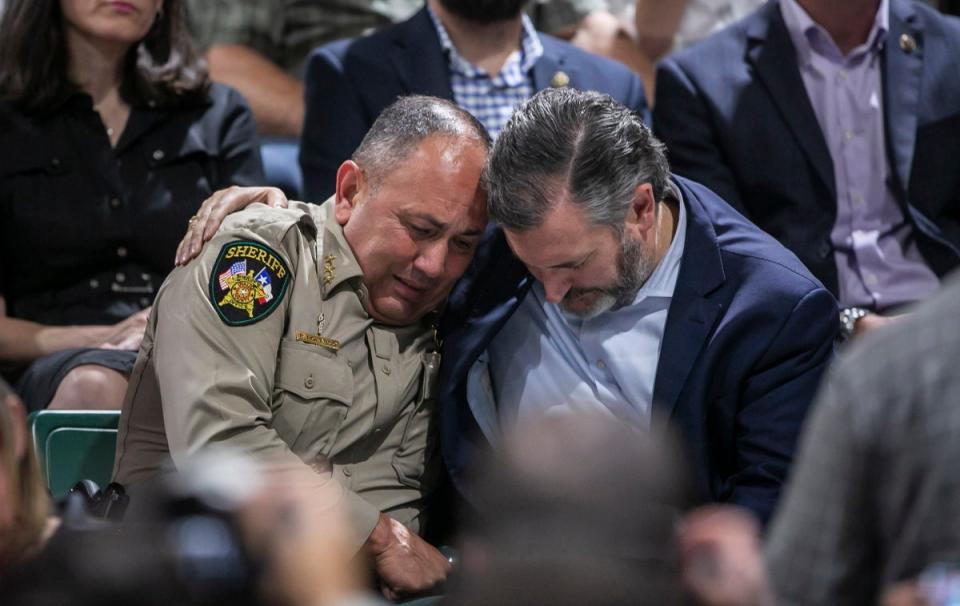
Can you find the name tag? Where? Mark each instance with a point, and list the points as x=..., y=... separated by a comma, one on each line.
x=318, y=340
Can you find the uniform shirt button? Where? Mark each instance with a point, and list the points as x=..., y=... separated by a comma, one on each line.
x=120, y=278
x=114, y=202
x=308, y=383
x=121, y=251
x=158, y=155
x=55, y=162
x=145, y=277
x=386, y=370
x=347, y=472
x=94, y=283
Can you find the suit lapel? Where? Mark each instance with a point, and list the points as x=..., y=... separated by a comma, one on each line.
x=772, y=54
x=419, y=60
x=693, y=312
x=902, y=72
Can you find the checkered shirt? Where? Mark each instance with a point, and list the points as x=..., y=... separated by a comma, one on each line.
x=492, y=100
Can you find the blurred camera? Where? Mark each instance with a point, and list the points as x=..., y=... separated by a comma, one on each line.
x=180, y=543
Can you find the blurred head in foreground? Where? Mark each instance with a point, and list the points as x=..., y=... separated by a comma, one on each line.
x=577, y=510
x=24, y=504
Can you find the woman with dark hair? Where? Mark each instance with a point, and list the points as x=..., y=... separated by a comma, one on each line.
x=110, y=138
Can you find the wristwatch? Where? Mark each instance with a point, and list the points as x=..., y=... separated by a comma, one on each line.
x=848, y=321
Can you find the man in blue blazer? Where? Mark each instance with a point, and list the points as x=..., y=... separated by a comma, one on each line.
x=438, y=52
x=616, y=288
x=835, y=127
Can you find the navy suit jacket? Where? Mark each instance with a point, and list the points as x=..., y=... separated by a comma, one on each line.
x=349, y=82
x=735, y=116
x=749, y=332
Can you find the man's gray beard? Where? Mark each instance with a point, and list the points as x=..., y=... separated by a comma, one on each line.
x=634, y=267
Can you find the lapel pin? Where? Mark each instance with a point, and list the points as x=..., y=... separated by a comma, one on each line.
x=559, y=80
x=908, y=43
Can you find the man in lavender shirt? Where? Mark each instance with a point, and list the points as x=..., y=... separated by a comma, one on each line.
x=834, y=126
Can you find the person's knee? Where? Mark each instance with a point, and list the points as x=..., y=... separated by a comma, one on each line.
x=90, y=387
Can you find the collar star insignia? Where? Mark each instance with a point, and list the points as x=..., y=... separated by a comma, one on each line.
x=329, y=269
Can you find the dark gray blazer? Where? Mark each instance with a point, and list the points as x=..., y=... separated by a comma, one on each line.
x=735, y=116
x=874, y=494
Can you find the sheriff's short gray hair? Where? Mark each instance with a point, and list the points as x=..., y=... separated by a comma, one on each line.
x=581, y=143
x=402, y=126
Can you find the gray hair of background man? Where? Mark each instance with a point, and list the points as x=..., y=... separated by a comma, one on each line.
x=581, y=143
x=402, y=126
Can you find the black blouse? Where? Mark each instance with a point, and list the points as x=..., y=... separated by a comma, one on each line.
x=88, y=232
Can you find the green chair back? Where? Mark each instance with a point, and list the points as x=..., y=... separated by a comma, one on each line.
x=74, y=445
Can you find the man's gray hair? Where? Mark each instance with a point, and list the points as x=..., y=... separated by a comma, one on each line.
x=581, y=143
x=402, y=126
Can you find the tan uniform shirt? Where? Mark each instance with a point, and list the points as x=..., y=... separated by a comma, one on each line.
x=227, y=360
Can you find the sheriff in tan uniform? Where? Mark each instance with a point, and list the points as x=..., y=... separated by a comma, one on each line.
x=264, y=342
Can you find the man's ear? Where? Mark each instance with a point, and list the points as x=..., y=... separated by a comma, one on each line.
x=641, y=217
x=350, y=182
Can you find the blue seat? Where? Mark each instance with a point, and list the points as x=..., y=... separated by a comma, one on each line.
x=281, y=165
x=74, y=445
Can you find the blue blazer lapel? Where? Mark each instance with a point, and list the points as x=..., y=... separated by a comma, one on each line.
x=550, y=63
x=772, y=54
x=902, y=70
x=418, y=58
x=693, y=312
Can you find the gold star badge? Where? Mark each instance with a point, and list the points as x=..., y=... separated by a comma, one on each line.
x=559, y=80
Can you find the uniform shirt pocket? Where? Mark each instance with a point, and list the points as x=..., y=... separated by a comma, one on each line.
x=415, y=462
x=314, y=390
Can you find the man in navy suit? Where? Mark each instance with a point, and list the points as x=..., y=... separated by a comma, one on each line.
x=483, y=54
x=835, y=127
x=617, y=288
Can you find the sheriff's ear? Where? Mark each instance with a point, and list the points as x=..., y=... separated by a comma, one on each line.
x=350, y=183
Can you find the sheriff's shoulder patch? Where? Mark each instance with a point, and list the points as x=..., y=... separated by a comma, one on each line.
x=247, y=283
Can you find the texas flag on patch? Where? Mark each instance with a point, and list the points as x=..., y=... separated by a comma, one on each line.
x=240, y=267
x=263, y=279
